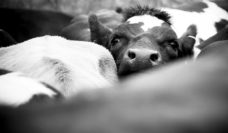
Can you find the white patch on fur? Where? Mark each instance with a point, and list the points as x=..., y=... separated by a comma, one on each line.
x=147, y=20
x=16, y=89
x=77, y=63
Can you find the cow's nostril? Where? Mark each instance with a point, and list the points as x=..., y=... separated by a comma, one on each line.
x=131, y=55
x=154, y=57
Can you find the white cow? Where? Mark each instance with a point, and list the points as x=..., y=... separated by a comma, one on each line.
x=68, y=66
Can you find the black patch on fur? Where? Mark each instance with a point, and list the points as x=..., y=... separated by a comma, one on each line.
x=220, y=36
x=194, y=7
x=222, y=3
x=3, y=71
x=221, y=25
x=141, y=10
x=129, y=29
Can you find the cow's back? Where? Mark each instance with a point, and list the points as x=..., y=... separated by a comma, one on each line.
x=205, y=18
x=69, y=66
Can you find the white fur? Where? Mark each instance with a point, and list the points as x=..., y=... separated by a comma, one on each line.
x=78, y=62
x=16, y=89
x=147, y=20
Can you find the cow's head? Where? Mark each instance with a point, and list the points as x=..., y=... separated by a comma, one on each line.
x=144, y=40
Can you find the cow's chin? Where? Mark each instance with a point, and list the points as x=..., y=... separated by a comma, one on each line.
x=126, y=70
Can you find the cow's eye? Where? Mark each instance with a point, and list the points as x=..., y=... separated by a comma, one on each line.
x=115, y=41
x=173, y=44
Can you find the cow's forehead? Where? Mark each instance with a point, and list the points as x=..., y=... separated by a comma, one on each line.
x=147, y=21
x=127, y=29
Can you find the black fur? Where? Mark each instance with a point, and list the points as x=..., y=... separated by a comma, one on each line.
x=58, y=94
x=141, y=10
x=3, y=71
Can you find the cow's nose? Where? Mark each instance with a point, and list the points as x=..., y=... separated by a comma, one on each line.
x=143, y=55
x=154, y=57
x=136, y=60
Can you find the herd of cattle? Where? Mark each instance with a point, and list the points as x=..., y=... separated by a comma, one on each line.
x=136, y=70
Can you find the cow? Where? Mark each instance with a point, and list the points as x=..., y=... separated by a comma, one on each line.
x=16, y=89
x=69, y=66
x=145, y=39
x=78, y=29
x=176, y=98
x=206, y=15
x=6, y=39
x=24, y=24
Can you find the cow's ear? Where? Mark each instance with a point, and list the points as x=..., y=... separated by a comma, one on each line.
x=99, y=32
x=187, y=41
x=6, y=39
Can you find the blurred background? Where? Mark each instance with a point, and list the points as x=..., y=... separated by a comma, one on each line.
x=86, y=6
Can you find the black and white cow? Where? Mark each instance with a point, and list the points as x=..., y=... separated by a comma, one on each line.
x=17, y=89
x=132, y=53
x=68, y=66
x=206, y=15
x=145, y=39
x=179, y=98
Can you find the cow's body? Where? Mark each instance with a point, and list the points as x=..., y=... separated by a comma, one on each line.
x=16, y=89
x=178, y=98
x=24, y=24
x=208, y=18
x=68, y=66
